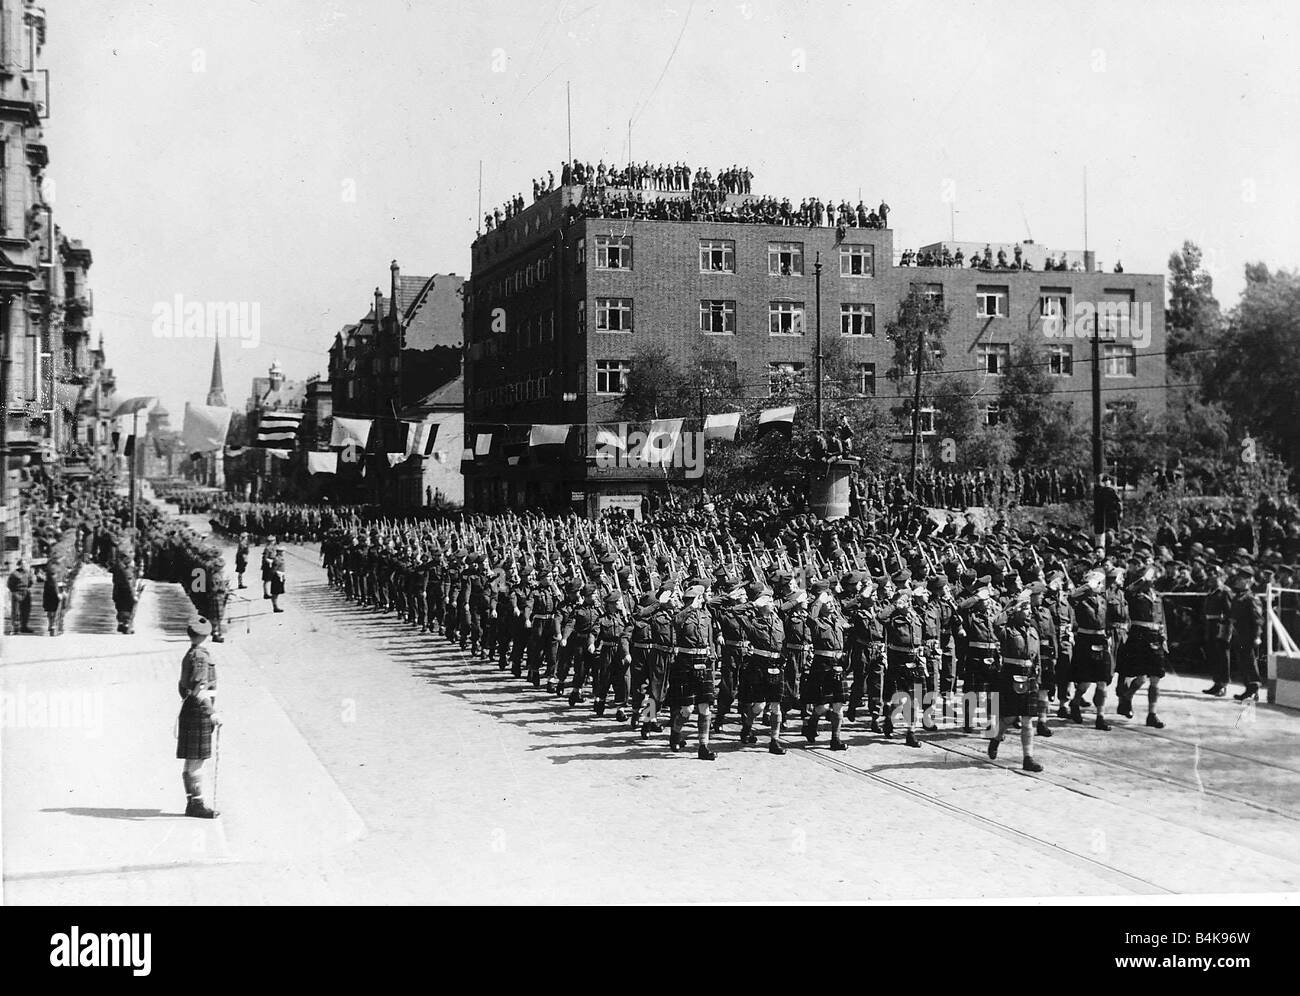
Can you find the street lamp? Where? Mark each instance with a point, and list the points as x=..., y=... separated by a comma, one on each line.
x=817, y=273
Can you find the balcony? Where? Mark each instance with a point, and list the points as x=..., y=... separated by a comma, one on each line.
x=80, y=304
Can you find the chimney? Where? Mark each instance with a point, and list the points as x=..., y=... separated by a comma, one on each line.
x=379, y=315
x=394, y=273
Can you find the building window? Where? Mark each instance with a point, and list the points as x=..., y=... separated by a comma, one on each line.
x=994, y=357
x=548, y=326
x=717, y=256
x=613, y=252
x=613, y=314
x=580, y=250
x=1113, y=316
x=718, y=317
x=785, y=318
x=1060, y=361
x=530, y=274
x=785, y=259
x=991, y=302
x=1054, y=303
x=926, y=420
x=865, y=379
x=612, y=375
x=992, y=413
x=581, y=321
x=931, y=293
x=784, y=377
x=858, y=319
x=1118, y=359
x=857, y=261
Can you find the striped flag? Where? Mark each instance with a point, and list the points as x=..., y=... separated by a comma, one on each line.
x=483, y=444
x=722, y=426
x=775, y=420
x=278, y=429
x=420, y=438
x=548, y=435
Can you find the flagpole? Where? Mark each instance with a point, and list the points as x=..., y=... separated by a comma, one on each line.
x=135, y=425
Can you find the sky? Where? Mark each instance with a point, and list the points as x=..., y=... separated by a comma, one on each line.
x=280, y=153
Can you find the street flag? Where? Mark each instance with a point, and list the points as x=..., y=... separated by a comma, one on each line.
x=548, y=435
x=467, y=456
x=277, y=429
x=280, y=454
x=661, y=441
x=322, y=463
x=609, y=438
x=512, y=461
x=350, y=432
x=775, y=420
x=420, y=437
x=205, y=427
x=722, y=426
x=395, y=458
x=483, y=444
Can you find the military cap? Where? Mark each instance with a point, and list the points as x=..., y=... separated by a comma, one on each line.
x=613, y=599
x=695, y=591
x=937, y=582
x=625, y=572
x=902, y=579
x=586, y=589
x=199, y=627
x=607, y=561
x=648, y=600
x=754, y=590
x=817, y=586
x=850, y=578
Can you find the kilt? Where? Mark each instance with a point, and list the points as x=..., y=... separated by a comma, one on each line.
x=761, y=680
x=241, y=562
x=1014, y=703
x=193, y=733
x=277, y=583
x=690, y=681
x=1091, y=660
x=829, y=681
x=268, y=573
x=1141, y=655
x=1047, y=670
x=977, y=671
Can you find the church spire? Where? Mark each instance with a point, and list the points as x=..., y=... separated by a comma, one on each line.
x=216, y=392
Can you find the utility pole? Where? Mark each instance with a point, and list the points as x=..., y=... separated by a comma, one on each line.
x=916, y=404
x=1098, y=513
x=6, y=361
x=134, y=443
x=817, y=272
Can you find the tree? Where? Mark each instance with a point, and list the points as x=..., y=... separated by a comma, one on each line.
x=1041, y=425
x=656, y=388
x=917, y=332
x=1193, y=322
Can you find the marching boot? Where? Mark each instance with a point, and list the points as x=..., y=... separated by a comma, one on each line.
x=1125, y=707
x=704, y=754
x=1217, y=690
x=1155, y=721
x=550, y=689
x=1063, y=711
x=994, y=744
x=599, y=707
x=1251, y=692
x=1101, y=724
x=1042, y=729
x=838, y=744
x=645, y=730
x=887, y=728
x=810, y=729
x=1029, y=764
x=621, y=716
x=1076, y=713
x=851, y=713
x=775, y=747
x=746, y=731
x=911, y=740
x=874, y=725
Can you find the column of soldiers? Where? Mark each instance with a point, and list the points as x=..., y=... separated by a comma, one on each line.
x=661, y=642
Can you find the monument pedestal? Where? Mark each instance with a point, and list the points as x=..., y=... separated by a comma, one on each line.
x=828, y=487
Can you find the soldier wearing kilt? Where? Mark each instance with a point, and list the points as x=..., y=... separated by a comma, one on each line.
x=980, y=622
x=828, y=678
x=1016, y=684
x=727, y=612
x=1091, y=662
x=904, y=648
x=762, y=673
x=639, y=651
x=503, y=615
x=613, y=655
x=658, y=657
x=1063, y=619
x=241, y=561
x=690, y=675
x=198, y=717
x=1142, y=655
x=798, y=644
x=1044, y=623
x=268, y=566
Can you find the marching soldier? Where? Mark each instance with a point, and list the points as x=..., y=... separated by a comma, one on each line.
x=544, y=632
x=1058, y=604
x=905, y=674
x=1247, y=633
x=798, y=643
x=268, y=566
x=1142, y=655
x=639, y=651
x=241, y=559
x=828, y=679
x=762, y=674
x=577, y=640
x=690, y=676
x=1091, y=662
x=981, y=618
x=658, y=657
x=938, y=624
x=727, y=613
x=1016, y=684
x=611, y=638
x=1044, y=622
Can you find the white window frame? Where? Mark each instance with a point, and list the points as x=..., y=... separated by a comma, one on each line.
x=777, y=311
x=851, y=254
x=998, y=295
x=709, y=309
x=607, y=306
x=999, y=352
x=725, y=247
x=1118, y=360
x=775, y=250
x=860, y=373
x=993, y=413
x=622, y=248
x=852, y=314
x=622, y=369
x=1060, y=360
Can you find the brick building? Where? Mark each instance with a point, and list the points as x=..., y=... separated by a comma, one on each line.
x=558, y=303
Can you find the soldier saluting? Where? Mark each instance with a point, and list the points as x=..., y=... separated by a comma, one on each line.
x=762, y=676
x=690, y=675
